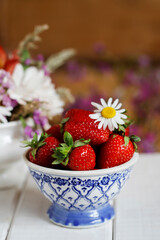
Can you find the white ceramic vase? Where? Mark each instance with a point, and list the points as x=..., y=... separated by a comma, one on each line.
x=11, y=152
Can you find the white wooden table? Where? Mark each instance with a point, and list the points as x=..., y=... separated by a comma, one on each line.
x=23, y=209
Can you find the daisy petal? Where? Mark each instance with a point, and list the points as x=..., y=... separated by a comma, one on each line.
x=114, y=123
x=123, y=116
x=98, y=106
x=115, y=103
x=105, y=125
x=110, y=125
x=119, y=120
x=101, y=123
x=109, y=102
x=118, y=106
x=121, y=110
x=97, y=111
x=98, y=120
x=103, y=102
x=94, y=116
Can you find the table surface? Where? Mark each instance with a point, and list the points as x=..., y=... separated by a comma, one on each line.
x=23, y=209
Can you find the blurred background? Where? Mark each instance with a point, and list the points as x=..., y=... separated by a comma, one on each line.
x=118, y=52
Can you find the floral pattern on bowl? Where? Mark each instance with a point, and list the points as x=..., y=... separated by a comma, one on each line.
x=81, y=199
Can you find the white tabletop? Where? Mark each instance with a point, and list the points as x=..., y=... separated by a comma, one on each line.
x=23, y=209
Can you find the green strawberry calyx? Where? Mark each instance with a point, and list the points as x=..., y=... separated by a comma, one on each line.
x=64, y=120
x=121, y=128
x=133, y=139
x=36, y=143
x=61, y=153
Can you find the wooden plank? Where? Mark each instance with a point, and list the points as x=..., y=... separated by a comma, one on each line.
x=31, y=221
x=9, y=198
x=138, y=205
x=125, y=27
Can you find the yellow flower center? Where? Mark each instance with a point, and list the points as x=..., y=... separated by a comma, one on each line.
x=108, y=112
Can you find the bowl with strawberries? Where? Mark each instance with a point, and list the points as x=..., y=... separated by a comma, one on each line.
x=81, y=164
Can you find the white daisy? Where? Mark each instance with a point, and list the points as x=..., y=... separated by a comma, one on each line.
x=5, y=112
x=108, y=114
x=32, y=84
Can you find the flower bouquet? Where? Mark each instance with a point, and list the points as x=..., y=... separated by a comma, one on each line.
x=28, y=97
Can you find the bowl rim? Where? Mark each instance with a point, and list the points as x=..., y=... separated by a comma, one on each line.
x=94, y=172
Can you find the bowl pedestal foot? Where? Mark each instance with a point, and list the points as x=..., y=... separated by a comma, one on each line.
x=80, y=219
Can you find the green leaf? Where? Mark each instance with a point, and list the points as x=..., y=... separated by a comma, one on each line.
x=68, y=139
x=135, y=138
x=57, y=155
x=64, y=120
x=114, y=135
x=57, y=161
x=35, y=137
x=64, y=150
x=121, y=128
x=34, y=153
x=24, y=124
x=42, y=137
x=135, y=146
x=126, y=140
x=25, y=55
x=66, y=161
x=35, y=143
x=80, y=143
x=61, y=153
x=87, y=141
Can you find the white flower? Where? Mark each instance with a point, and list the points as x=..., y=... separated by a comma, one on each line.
x=32, y=84
x=5, y=112
x=108, y=114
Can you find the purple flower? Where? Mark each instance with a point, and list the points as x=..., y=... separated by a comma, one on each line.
x=36, y=117
x=7, y=84
x=75, y=70
x=104, y=67
x=5, y=79
x=28, y=131
x=2, y=90
x=14, y=103
x=45, y=69
x=28, y=61
x=144, y=61
x=39, y=119
x=6, y=100
x=38, y=132
x=4, y=74
x=40, y=57
x=131, y=78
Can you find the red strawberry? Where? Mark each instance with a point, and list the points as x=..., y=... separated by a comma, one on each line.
x=55, y=131
x=80, y=125
x=127, y=131
x=117, y=150
x=78, y=155
x=3, y=57
x=42, y=149
x=82, y=158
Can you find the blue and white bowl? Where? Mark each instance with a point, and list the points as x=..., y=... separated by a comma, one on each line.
x=81, y=198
